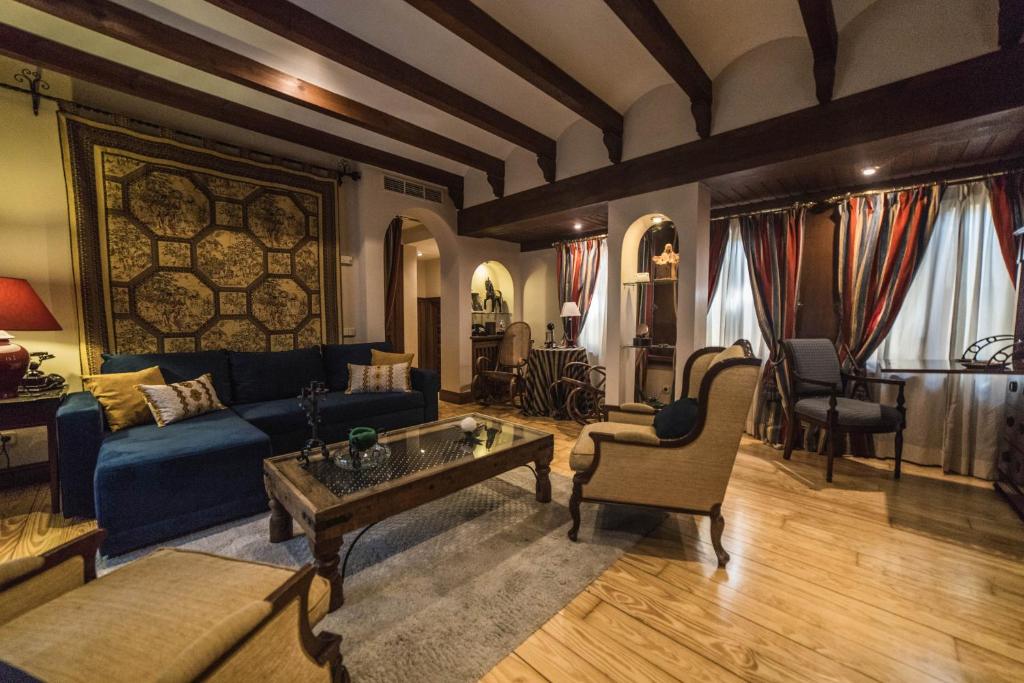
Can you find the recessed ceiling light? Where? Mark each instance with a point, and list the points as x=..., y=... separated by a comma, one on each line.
x=419, y=253
x=577, y=226
x=869, y=170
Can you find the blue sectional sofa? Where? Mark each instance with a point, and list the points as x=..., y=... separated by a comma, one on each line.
x=147, y=484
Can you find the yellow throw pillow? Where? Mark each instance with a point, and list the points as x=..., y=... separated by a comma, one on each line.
x=171, y=403
x=385, y=358
x=122, y=403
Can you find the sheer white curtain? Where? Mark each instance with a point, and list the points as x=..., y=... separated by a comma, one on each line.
x=592, y=334
x=731, y=314
x=961, y=292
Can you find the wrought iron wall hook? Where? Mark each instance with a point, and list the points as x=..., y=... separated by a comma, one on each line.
x=36, y=84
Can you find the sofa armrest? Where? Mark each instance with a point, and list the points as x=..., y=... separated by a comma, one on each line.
x=428, y=383
x=80, y=431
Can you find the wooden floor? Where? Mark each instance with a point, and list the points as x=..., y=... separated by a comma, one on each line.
x=863, y=579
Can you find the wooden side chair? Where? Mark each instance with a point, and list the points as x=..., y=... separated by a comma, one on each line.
x=502, y=378
x=819, y=393
x=195, y=616
x=623, y=461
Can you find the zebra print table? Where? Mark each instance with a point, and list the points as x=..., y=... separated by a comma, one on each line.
x=543, y=368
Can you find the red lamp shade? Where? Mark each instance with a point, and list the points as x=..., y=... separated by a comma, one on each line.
x=20, y=309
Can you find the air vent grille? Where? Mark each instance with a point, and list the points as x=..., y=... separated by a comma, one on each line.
x=392, y=184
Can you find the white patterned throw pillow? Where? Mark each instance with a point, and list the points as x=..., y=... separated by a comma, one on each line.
x=171, y=403
x=372, y=379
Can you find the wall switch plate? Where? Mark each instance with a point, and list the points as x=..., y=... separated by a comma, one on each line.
x=345, y=260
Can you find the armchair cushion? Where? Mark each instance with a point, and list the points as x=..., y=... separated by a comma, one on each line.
x=583, y=452
x=852, y=413
x=676, y=419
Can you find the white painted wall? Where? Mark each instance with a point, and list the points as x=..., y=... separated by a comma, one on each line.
x=410, y=289
x=540, y=292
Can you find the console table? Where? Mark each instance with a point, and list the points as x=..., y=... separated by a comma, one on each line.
x=37, y=410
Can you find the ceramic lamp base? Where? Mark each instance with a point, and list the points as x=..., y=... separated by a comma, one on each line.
x=13, y=364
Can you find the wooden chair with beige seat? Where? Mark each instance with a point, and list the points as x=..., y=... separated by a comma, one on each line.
x=630, y=460
x=173, y=615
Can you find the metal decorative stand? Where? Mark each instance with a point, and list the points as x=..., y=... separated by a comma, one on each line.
x=309, y=399
x=1002, y=355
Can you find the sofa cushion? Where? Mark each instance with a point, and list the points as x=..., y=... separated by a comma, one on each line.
x=338, y=356
x=285, y=415
x=265, y=376
x=154, y=483
x=177, y=367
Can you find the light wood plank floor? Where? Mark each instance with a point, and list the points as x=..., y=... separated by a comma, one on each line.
x=863, y=579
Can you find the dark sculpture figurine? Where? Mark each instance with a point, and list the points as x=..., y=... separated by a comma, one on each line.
x=549, y=338
x=309, y=399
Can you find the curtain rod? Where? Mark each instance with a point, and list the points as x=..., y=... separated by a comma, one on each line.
x=861, y=193
x=583, y=238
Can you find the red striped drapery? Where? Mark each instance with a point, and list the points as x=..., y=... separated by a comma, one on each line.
x=882, y=239
x=577, y=265
x=394, y=314
x=772, y=243
x=716, y=254
x=1006, y=195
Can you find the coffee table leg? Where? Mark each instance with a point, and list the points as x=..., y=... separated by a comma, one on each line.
x=543, y=480
x=327, y=557
x=280, y=521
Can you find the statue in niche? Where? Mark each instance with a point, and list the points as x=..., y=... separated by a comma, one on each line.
x=490, y=296
x=666, y=264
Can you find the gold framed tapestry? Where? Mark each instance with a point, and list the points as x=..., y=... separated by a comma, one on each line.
x=181, y=248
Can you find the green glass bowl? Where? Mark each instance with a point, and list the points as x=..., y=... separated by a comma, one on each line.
x=362, y=438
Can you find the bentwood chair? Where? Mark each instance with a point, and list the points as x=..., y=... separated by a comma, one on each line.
x=501, y=378
x=819, y=393
x=583, y=384
x=623, y=461
x=173, y=615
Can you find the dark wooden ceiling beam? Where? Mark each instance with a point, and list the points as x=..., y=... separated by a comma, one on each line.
x=1011, y=22
x=653, y=30
x=325, y=38
x=476, y=27
x=136, y=29
x=820, y=22
x=971, y=89
x=50, y=54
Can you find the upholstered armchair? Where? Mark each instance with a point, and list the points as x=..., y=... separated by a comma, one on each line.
x=170, y=616
x=623, y=461
x=821, y=394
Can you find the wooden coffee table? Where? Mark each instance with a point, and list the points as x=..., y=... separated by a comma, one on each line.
x=427, y=462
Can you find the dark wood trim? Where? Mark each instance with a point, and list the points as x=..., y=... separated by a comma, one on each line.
x=820, y=23
x=655, y=33
x=1011, y=22
x=459, y=397
x=948, y=175
x=137, y=29
x=971, y=89
x=23, y=475
x=325, y=38
x=84, y=546
x=688, y=366
x=476, y=27
x=50, y=54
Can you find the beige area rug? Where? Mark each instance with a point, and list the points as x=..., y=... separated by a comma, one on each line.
x=445, y=591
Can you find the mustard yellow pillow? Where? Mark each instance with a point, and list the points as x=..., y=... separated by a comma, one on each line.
x=123, y=404
x=385, y=358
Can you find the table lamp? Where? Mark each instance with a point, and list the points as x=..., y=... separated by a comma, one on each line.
x=20, y=309
x=569, y=310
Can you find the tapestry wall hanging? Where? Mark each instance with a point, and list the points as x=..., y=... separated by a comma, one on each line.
x=181, y=248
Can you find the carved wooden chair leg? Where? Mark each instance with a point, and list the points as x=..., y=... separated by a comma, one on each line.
x=835, y=444
x=899, y=452
x=717, y=527
x=574, y=508
x=792, y=427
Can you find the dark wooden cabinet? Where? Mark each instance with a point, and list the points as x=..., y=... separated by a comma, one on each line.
x=1010, y=470
x=428, y=313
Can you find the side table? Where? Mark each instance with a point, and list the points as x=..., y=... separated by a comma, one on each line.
x=37, y=410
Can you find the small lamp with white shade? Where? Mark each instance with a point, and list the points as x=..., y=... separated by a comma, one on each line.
x=569, y=310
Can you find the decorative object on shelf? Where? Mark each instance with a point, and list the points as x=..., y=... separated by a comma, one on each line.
x=666, y=264
x=490, y=327
x=34, y=381
x=21, y=309
x=309, y=399
x=549, y=337
x=570, y=309
x=35, y=83
x=490, y=297
x=364, y=451
x=479, y=330
x=643, y=335
x=999, y=345
x=477, y=306
x=642, y=278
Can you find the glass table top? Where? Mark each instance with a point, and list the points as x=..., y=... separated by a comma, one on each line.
x=421, y=448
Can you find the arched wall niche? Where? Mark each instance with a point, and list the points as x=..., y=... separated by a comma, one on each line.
x=504, y=285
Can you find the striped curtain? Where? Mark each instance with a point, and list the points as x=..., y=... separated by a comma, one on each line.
x=1006, y=195
x=394, y=313
x=716, y=254
x=577, y=265
x=882, y=239
x=772, y=243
